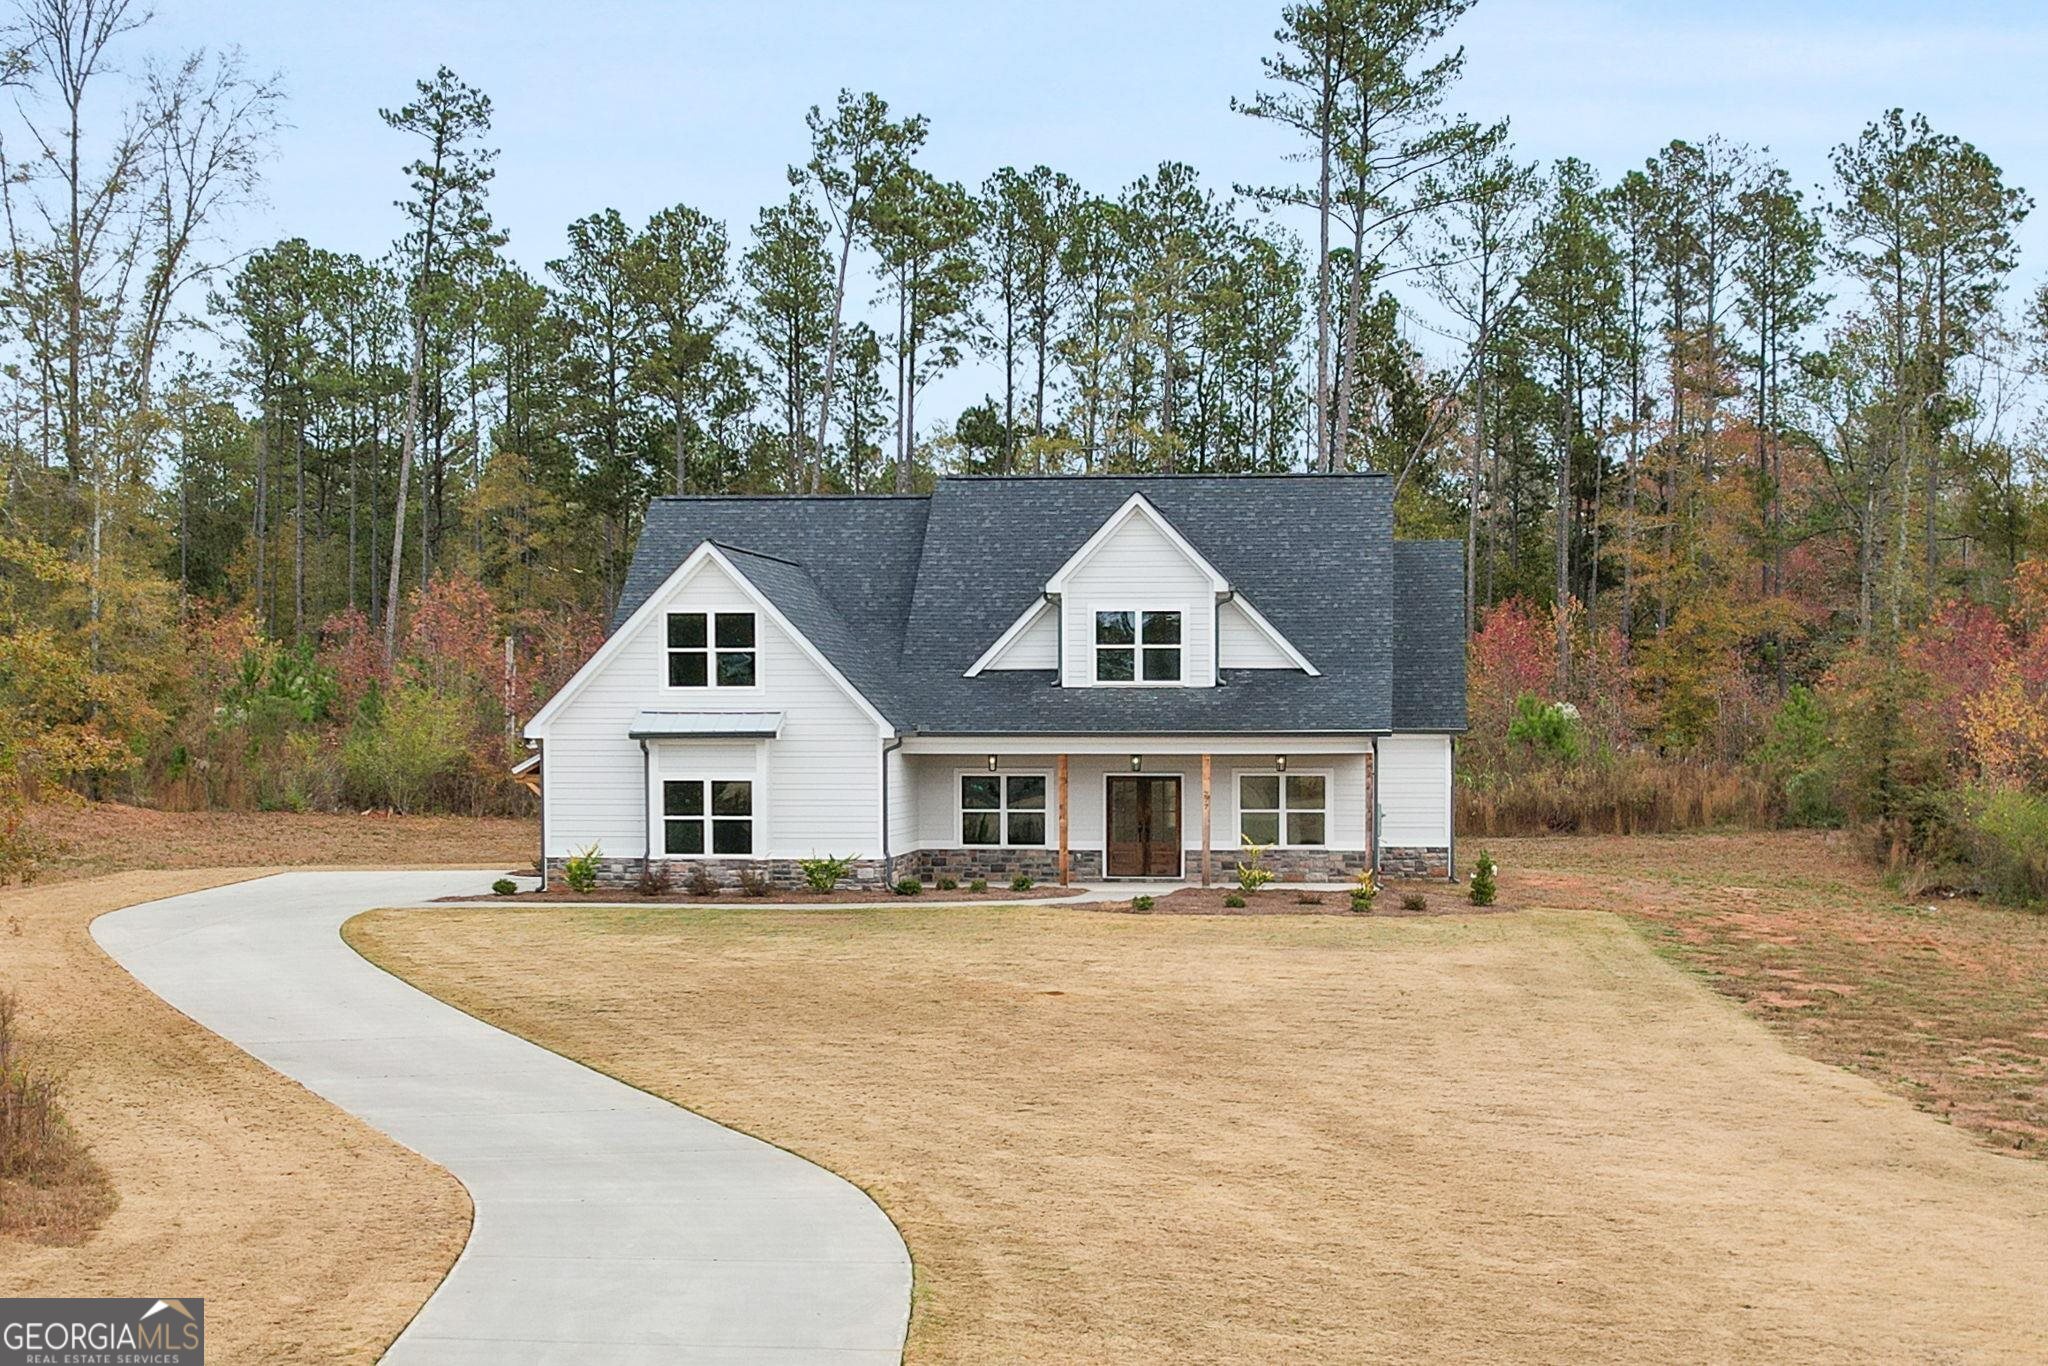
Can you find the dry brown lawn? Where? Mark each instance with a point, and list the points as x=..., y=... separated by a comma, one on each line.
x=312, y=1237
x=1113, y=1138
x=1944, y=1001
x=90, y=839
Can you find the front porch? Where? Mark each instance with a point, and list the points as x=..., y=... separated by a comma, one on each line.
x=1129, y=809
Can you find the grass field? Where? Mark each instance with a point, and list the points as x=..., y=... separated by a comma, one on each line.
x=1944, y=1001
x=90, y=839
x=1117, y=1138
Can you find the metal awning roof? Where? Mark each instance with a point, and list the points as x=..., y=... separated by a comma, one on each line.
x=687, y=725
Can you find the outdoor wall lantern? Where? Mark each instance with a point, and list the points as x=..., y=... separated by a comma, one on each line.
x=1279, y=763
x=991, y=763
x=1137, y=762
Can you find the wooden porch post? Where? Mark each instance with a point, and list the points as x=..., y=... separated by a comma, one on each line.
x=1205, y=820
x=1063, y=819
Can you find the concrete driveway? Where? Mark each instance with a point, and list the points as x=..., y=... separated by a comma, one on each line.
x=610, y=1226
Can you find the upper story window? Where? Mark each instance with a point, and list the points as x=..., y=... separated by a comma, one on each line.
x=711, y=650
x=1137, y=647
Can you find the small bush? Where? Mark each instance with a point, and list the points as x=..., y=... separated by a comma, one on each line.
x=656, y=879
x=1234, y=901
x=1361, y=900
x=947, y=884
x=824, y=874
x=1414, y=901
x=1021, y=883
x=909, y=886
x=702, y=881
x=979, y=884
x=1141, y=903
x=1483, y=889
x=753, y=883
x=1252, y=872
x=579, y=871
x=504, y=886
x=1549, y=728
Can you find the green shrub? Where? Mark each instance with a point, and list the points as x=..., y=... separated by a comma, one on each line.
x=504, y=886
x=1549, y=728
x=1361, y=900
x=1234, y=901
x=1141, y=903
x=979, y=884
x=947, y=884
x=1021, y=883
x=1252, y=872
x=1482, y=889
x=1800, y=754
x=579, y=871
x=416, y=740
x=2008, y=839
x=909, y=886
x=823, y=874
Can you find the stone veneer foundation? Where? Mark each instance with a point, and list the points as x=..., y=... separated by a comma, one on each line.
x=1415, y=861
x=1040, y=865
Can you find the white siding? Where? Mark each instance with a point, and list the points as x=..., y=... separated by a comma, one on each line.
x=1137, y=567
x=1415, y=791
x=1037, y=648
x=905, y=801
x=1241, y=645
x=822, y=774
x=936, y=780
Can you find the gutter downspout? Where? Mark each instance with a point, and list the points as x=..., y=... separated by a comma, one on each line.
x=540, y=748
x=647, y=808
x=1451, y=816
x=893, y=744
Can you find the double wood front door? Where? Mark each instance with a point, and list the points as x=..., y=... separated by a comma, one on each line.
x=1144, y=826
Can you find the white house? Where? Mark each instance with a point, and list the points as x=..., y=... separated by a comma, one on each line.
x=1072, y=678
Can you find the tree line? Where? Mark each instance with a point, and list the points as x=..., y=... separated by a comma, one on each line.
x=1722, y=434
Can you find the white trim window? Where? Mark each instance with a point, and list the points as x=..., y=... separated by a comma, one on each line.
x=721, y=809
x=1133, y=646
x=999, y=809
x=1290, y=810
x=713, y=649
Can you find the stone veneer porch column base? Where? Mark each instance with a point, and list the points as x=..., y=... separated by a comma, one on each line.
x=726, y=873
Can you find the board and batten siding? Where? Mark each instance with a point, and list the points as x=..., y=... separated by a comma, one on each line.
x=822, y=775
x=1415, y=791
x=1137, y=567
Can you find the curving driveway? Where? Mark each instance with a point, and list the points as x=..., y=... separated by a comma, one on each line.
x=610, y=1225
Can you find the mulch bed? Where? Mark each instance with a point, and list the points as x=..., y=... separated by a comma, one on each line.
x=844, y=896
x=1437, y=898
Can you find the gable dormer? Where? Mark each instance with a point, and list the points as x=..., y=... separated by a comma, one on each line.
x=1138, y=606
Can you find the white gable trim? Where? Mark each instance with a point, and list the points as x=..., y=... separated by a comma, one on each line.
x=1137, y=505
x=706, y=553
x=1271, y=633
x=1010, y=637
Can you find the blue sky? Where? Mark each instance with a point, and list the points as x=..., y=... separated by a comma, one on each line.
x=635, y=106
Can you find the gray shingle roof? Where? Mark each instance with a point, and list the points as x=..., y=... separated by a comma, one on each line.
x=904, y=593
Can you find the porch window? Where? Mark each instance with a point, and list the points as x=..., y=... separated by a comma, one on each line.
x=1283, y=809
x=724, y=805
x=1137, y=647
x=711, y=650
x=998, y=809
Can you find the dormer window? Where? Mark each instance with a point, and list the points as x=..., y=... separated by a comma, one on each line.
x=1137, y=647
x=711, y=650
